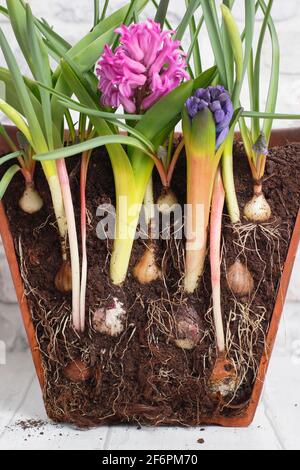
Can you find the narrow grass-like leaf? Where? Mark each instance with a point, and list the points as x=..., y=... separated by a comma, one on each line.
x=167, y=22
x=10, y=156
x=17, y=119
x=92, y=144
x=6, y=179
x=270, y=116
x=228, y=52
x=249, y=32
x=21, y=90
x=214, y=35
x=105, y=6
x=161, y=13
x=76, y=106
x=275, y=70
x=42, y=72
x=112, y=118
x=235, y=40
x=17, y=17
x=183, y=25
x=194, y=32
x=4, y=11
x=195, y=44
x=124, y=178
x=96, y=12
x=257, y=67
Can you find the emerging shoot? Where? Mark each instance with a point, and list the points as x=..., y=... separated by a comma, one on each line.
x=206, y=121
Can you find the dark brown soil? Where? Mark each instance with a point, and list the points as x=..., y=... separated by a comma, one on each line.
x=141, y=376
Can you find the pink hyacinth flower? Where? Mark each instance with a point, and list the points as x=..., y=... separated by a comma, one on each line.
x=147, y=65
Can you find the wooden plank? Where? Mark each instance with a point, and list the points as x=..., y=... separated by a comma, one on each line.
x=260, y=436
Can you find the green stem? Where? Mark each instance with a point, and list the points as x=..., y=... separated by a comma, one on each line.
x=228, y=179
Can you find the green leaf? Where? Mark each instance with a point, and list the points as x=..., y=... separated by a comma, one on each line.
x=23, y=96
x=92, y=144
x=6, y=179
x=17, y=17
x=214, y=35
x=124, y=178
x=275, y=70
x=235, y=40
x=161, y=13
x=271, y=116
x=111, y=118
x=194, y=48
x=96, y=12
x=228, y=53
x=156, y=129
x=14, y=116
x=193, y=5
x=3, y=11
x=10, y=156
x=256, y=73
x=105, y=6
x=249, y=32
x=42, y=72
x=167, y=22
x=76, y=106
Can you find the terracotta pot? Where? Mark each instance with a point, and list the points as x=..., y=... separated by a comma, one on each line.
x=279, y=137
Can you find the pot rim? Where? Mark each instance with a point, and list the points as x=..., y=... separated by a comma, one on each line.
x=279, y=137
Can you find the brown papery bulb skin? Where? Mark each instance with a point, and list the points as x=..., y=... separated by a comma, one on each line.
x=77, y=371
x=239, y=279
x=188, y=332
x=63, y=279
x=166, y=201
x=31, y=202
x=146, y=270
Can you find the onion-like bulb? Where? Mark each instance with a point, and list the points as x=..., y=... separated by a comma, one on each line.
x=110, y=320
x=188, y=333
x=258, y=209
x=239, y=279
x=63, y=279
x=166, y=201
x=146, y=270
x=31, y=202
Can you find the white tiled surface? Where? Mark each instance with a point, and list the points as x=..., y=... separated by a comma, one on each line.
x=277, y=422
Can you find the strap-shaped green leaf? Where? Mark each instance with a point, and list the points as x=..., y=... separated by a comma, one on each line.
x=215, y=38
x=92, y=144
x=6, y=179
x=23, y=96
x=10, y=156
x=161, y=13
x=42, y=72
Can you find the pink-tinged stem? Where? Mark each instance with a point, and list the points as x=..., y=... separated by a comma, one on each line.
x=174, y=162
x=215, y=257
x=84, y=266
x=73, y=242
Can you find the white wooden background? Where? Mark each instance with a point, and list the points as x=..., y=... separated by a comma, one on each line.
x=277, y=422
